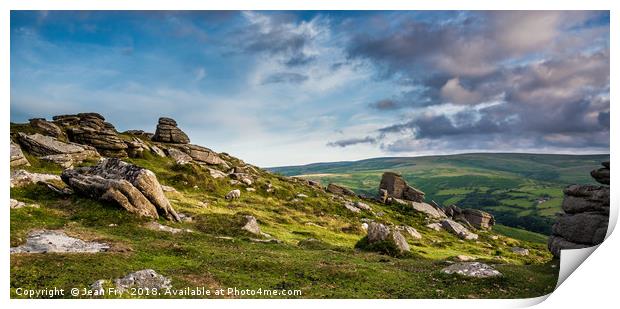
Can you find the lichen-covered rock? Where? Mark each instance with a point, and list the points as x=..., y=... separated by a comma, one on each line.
x=17, y=156
x=15, y=204
x=201, y=154
x=458, y=229
x=350, y=206
x=397, y=187
x=168, y=132
x=44, y=241
x=178, y=156
x=520, y=251
x=251, y=225
x=21, y=178
x=411, y=231
x=339, y=190
x=147, y=279
x=472, y=269
x=49, y=128
x=51, y=149
x=134, y=188
x=92, y=129
x=378, y=232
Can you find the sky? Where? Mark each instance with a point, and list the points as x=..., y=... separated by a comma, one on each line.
x=285, y=88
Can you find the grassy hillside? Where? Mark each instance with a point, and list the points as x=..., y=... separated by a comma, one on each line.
x=218, y=254
x=521, y=190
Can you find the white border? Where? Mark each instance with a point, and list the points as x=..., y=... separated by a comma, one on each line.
x=594, y=282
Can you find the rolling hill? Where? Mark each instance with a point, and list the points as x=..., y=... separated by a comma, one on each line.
x=521, y=190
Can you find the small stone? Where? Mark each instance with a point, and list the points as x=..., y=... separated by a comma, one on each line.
x=520, y=251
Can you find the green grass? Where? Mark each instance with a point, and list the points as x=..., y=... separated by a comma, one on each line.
x=218, y=254
x=332, y=268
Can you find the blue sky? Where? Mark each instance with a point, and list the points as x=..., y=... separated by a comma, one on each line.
x=282, y=88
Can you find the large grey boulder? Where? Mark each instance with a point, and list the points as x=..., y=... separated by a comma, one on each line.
x=458, y=229
x=134, y=188
x=44, y=241
x=378, y=232
x=472, y=269
x=201, y=154
x=51, y=149
x=168, y=132
x=92, y=129
x=427, y=209
x=17, y=156
x=178, y=156
x=583, y=228
x=397, y=187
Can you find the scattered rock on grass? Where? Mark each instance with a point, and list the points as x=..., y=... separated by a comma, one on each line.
x=144, y=279
x=15, y=204
x=17, y=156
x=155, y=226
x=520, y=251
x=348, y=205
x=458, y=229
x=44, y=241
x=251, y=225
x=472, y=269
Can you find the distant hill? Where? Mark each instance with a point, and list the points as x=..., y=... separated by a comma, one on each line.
x=521, y=190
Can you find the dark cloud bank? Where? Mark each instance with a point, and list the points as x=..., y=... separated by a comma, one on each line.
x=505, y=80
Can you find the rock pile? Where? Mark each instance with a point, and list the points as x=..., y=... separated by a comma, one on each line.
x=134, y=188
x=92, y=129
x=168, y=132
x=586, y=215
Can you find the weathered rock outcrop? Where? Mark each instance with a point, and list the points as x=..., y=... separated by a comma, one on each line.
x=92, y=129
x=51, y=149
x=378, y=232
x=168, y=132
x=48, y=128
x=397, y=187
x=134, y=188
x=586, y=215
x=198, y=154
x=339, y=190
x=472, y=218
x=17, y=156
